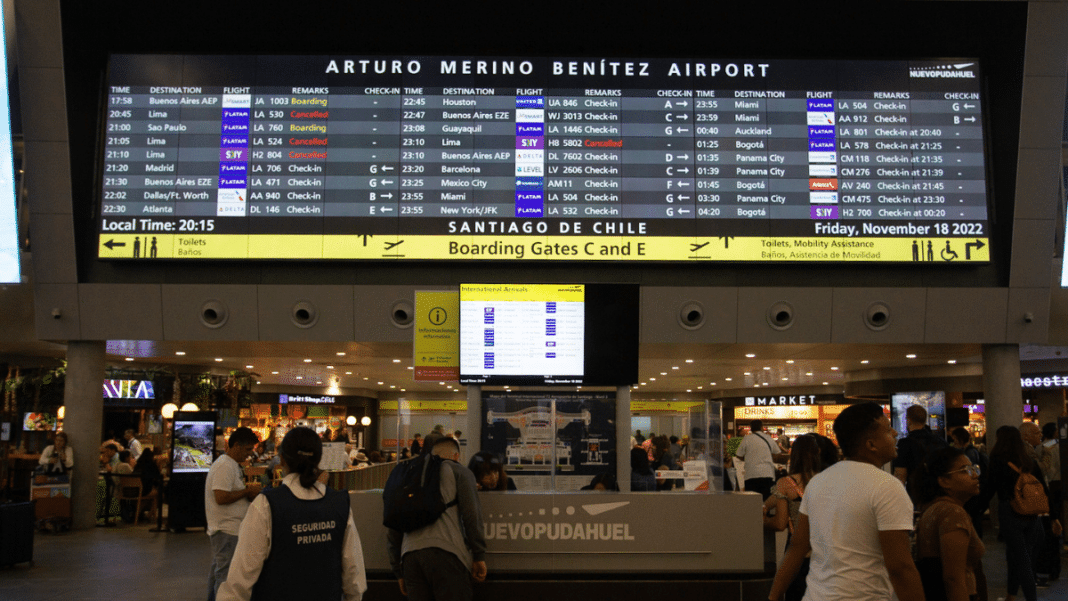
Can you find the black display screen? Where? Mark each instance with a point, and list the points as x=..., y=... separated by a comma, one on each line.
x=519, y=159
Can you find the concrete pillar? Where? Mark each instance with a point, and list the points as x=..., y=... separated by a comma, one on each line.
x=1001, y=388
x=474, y=421
x=83, y=423
x=1050, y=403
x=623, y=438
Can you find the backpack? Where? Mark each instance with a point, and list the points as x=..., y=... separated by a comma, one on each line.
x=1028, y=496
x=412, y=496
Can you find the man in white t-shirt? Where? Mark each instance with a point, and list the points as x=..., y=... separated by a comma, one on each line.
x=855, y=519
x=226, y=500
x=758, y=451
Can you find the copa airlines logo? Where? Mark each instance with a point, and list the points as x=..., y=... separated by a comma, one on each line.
x=552, y=530
x=952, y=71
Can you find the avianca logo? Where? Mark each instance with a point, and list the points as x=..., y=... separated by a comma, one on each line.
x=951, y=71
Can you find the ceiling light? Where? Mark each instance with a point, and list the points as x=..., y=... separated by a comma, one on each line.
x=274, y=373
x=808, y=373
x=834, y=369
x=767, y=368
x=396, y=360
x=750, y=355
x=674, y=367
x=218, y=359
x=910, y=356
x=411, y=367
x=381, y=383
x=824, y=383
x=257, y=381
x=248, y=367
x=748, y=374
x=786, y=379
x=307, y=360
x=300, y=377
x=663, y=373
x=643, y=383
x=180, y=353
x=700, y=388
x=765, y=383
x=392, y=386
x=652, y=379
x=951, y=361
x=330, y=367
x=790, y=361
x=689, y=360
x=441, y=383
x=712, y=383
x=318, y=383
x=129, y=358
x=688, y=390
x=864, y=362
x=756, y=385
x=727, y=379
x=341, y=353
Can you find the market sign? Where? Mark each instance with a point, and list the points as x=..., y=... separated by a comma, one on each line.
x=793, y=399
x=128, y=389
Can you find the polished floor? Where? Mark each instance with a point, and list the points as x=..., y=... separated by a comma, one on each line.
x=129, y=563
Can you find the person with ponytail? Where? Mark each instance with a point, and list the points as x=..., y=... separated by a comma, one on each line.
x=301, y=527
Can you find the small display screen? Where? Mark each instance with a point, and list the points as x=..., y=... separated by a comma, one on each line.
x=39, y=422
x=548, y=334
x=194, y=445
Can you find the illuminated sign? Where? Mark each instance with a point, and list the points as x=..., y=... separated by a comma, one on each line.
x=1054, y=381
x=284, y=399
x=795, y=399
x=128, y=389
x=543, y=159
x=776, y=412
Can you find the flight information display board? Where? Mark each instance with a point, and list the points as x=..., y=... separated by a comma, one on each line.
x=516, y=159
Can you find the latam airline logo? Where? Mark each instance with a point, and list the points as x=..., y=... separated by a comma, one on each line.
x=951, y=71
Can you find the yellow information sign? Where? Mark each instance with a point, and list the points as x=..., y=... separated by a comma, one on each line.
x=436, y=339
x=437, y=406
x=923, y=247
x=655, y=406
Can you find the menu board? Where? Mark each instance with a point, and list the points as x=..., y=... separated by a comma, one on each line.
x=521, y=159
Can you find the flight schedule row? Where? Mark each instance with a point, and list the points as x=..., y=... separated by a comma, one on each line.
x=647, y=156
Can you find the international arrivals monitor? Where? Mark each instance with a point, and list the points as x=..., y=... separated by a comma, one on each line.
x=543, y=159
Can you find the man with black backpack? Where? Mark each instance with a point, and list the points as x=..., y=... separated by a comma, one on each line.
x=435, y=541
x=914, y=448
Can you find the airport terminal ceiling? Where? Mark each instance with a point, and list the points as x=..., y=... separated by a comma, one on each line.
x=991, y=32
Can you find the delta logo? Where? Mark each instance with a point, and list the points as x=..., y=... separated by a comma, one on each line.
x=823, y=183
x=950, y=71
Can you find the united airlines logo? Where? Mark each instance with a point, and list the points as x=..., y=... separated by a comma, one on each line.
x=951, y=71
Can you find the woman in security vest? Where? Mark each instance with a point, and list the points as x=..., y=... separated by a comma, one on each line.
x=301, y=527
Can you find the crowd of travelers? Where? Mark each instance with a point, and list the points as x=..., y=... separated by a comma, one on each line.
x=916, y=532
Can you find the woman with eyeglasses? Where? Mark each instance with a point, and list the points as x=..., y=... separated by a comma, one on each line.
x=948, y=549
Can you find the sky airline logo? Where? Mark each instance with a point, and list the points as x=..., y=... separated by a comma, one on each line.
x=951, y=71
